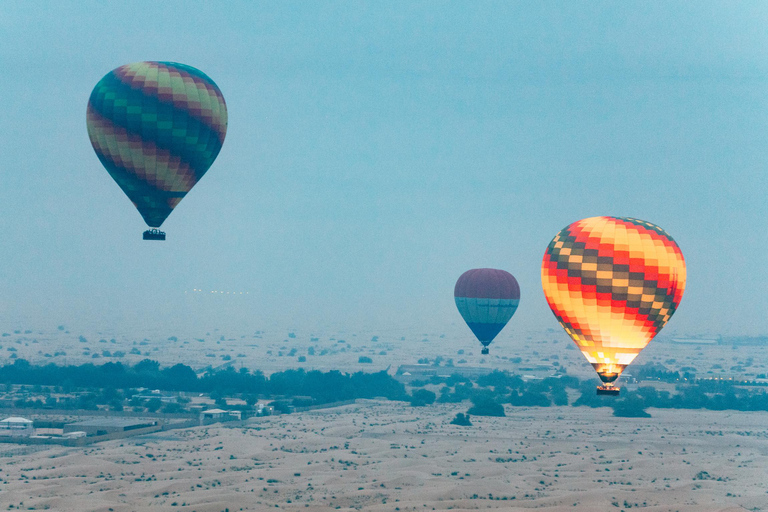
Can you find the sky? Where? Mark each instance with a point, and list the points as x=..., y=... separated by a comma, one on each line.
x=377, y=150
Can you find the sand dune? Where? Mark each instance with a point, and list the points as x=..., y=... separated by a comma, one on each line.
x=388, y=456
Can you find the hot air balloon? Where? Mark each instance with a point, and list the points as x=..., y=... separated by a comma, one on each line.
x=157, y=127
x=612, y=283
x=487, y=298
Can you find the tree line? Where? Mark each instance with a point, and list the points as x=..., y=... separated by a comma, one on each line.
x=320, y=387
x=488, y=394
x=491, y=392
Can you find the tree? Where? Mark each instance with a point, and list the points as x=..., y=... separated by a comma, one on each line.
x=422, y=397
x=179, y=376
x=461, y=420
x=302, y=402
x=173, y=408
x=559, y=396
x=147, y=366
x=281, y=406
x=500, y=380
x=486, y=407
x=530, y=399
x=154, y=404
x=630, y=407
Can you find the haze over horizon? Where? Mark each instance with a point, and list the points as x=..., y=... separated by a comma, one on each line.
x=377, y=151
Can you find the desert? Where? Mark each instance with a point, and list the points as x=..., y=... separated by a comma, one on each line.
x=383, y=256
x=271, y=350
x=389, y=456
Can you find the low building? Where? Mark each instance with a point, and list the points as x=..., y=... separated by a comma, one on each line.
x=47, y=431
x=102, y=426
x=16, y=426
x=409, y=372
x=695, y=341
x=61, y=437
x=263, y=409
x=166, y=399
x=217, y=415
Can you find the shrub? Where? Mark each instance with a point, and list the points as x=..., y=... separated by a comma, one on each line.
x=630, y=407
x=486, y=407
x=281, y=406
x=302, y=402
x=462, y=420
x=172, y=408
x=153, y=404
x=422, y=397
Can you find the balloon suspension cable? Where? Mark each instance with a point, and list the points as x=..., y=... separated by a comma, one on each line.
x=154, y=234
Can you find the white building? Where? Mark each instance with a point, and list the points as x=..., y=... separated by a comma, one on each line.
x=264, y=410
x=216, y=415
x=695, y=341
x=16, y=426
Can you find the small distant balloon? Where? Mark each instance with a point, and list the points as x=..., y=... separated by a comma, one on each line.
x=612, y=283
x=486, y=298
x=156, y=127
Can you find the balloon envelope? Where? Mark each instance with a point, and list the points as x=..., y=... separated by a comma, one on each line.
x=612, y=283
x=487, y=298
x=156, y=127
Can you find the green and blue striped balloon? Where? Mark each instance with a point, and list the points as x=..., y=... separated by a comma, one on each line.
x=156, y=127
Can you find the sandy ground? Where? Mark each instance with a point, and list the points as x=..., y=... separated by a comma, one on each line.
x=389, y=456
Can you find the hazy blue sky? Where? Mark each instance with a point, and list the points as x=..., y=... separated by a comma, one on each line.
x=377, y=150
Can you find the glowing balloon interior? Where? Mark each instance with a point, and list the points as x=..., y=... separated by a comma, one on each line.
x=156, y=127
x=612, y=283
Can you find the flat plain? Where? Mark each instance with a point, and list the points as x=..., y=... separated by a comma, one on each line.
x=275, y=350
x=389, y=456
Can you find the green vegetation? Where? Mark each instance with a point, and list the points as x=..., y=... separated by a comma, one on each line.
x=699, y=394
x=462, y=420
x=321, y=387
x=630, y=407
x=422, y=397
x=113, y=384
x=485, y=406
